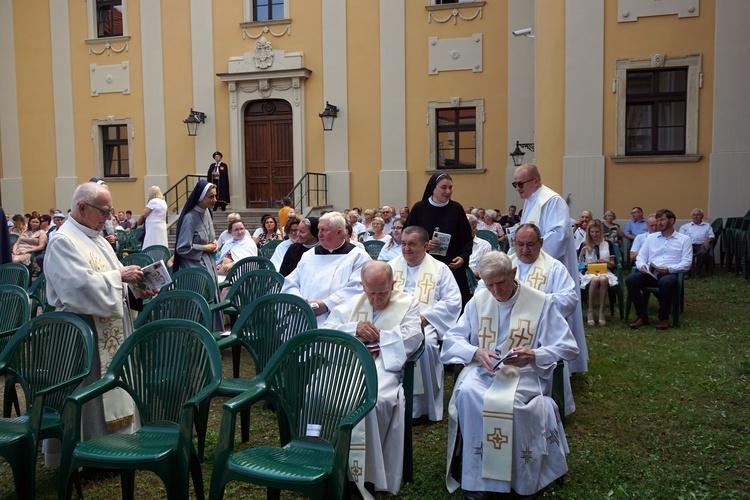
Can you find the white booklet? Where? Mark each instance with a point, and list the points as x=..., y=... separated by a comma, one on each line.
x=155, y=276
x=443, y=240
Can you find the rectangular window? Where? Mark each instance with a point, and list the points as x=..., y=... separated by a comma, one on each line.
x=656, y=109
x=456, y=138
x=266, y=10
x=116, y=156
x=109, y=18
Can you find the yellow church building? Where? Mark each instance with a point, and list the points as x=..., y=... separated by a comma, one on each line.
x=619, y=102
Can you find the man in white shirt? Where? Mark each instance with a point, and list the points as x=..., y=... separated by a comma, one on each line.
x=579, y=233
x=662, y=256
x=551, y=214
x=702, y=238
x=639, y=239
x=388, y=213
x=388, y=319
x=480, y=246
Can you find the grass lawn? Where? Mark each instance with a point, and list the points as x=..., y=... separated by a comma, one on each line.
x=659, y=414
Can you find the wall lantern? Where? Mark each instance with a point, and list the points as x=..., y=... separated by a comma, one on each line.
x=192, y=121
x=517, y=155
x=328, y=115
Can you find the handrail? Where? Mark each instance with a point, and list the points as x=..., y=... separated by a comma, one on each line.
x=178, y=194
x=310, y=191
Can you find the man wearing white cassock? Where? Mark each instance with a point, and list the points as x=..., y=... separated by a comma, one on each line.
x=551, y=214
x=511, y=337
x=387, y=320
x=330, y=274
x=433, y=286
x=84, y=277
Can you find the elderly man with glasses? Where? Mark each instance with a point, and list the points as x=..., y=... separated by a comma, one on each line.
x=549, y=212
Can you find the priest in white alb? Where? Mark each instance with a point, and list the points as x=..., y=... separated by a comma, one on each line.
x=329, y=274
x=387, y=320
x=432, y=283
x=511, y=337
x=85, y=277
x=551, y=214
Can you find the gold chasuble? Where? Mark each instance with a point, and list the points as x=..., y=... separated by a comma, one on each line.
x=388, y=319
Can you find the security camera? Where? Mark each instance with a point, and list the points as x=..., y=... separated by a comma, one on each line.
x=524, y=32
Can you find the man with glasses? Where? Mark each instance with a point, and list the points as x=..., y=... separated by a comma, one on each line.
x=549, y=212
x=636, y=225
x=84, y=277
x=388, y=213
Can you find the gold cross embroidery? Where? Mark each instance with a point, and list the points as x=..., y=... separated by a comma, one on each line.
x=521, y=334
x=486, y=333
x=497, y=438
x=356, y=470
x=537, y=279
x=398, y=277
x=426, y=287
x=361, y=316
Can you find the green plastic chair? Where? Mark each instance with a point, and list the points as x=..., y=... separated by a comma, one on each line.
x=373, y=248
x=261, y=329
x=15, y=274
x=490, y=237
x=176, y=304
x=134, y=243
x=38, y=296
x=408, y=385
x=137, y=259
x=717, y=226
x=122, y=243
x=269, y=248
x=472, y=280
x=245, y=266
x=157, y=253
x=168, y=367
x=320, y=377
x=13, y=239
x=48, y=357
x=194, y=279
x=678, y=302
x=14, y=313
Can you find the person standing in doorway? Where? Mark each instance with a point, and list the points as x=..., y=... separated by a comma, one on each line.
x=218, y=175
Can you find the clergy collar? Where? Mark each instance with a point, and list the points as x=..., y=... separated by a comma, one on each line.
x=345, y=248
x=91, y=233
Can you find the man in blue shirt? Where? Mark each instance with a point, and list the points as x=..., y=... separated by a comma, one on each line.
x=636, y=225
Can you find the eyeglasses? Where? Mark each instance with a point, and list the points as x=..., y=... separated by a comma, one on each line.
x=520, y=184
x=529, y=245
x=103, y=212
x=398, y=227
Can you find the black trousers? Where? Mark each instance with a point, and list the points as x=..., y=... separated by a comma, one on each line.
x=667, y=284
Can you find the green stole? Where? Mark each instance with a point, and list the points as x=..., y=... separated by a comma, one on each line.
x=389, y=318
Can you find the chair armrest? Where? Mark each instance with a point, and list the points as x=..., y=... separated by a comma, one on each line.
x=220, y=306
x=96, y=389
x=253, y=395
x=227, y=342
x=224, y=284
x=65, y=383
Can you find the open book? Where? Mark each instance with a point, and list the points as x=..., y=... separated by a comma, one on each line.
x=155, y=276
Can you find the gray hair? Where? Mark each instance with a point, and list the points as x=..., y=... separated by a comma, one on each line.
x=472, y=220
x=491, y=213
x=87, y=192
x=233, y=216
x=697, y=210
x=424, y=236
x=375, y=267
x=335, y=219
x=493, y=263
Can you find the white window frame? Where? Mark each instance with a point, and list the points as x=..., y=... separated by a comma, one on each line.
x=247, y=7
x=694, y=64
x=93, y=38
x=432, y=107
x=97, y=135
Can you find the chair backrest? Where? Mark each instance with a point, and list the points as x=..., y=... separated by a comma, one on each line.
x=246, y=265
x=133, y=238
x=157, y=253
x=194, y=279
x=164, y=364
x=51, y=349
x=472, y=280
x=489, y=237
x=13, y=238
x=269, y=248
x=14, y=307
x=137, y=259
x=14, y=274
x=38, y=295
x=270, y=321
x=254, y=285
x=321, y=377
x=122, y=237
x=176, y=304
x=373, y=248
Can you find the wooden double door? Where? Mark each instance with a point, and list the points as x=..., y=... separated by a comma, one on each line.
x=269, y=153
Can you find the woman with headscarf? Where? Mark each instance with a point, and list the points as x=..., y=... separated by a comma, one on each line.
x=307, y=238
x=437, y=212
x=196, y=243
x=218, y=175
